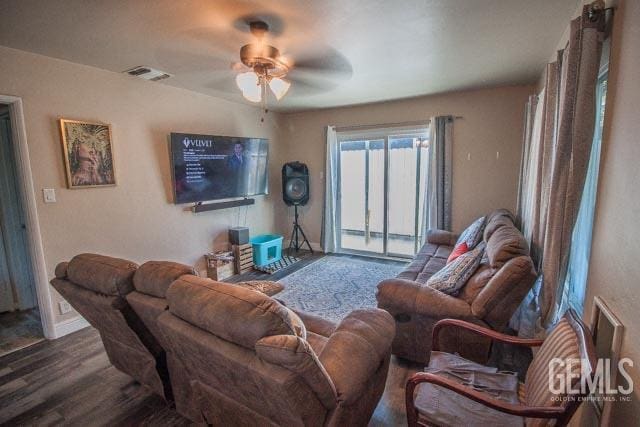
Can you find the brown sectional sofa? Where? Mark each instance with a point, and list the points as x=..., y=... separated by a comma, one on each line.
x=489, y=298
x=243, y=363
x=97, y=286
x=229, y=355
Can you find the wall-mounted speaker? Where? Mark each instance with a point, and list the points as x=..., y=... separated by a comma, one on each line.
x=295, y=183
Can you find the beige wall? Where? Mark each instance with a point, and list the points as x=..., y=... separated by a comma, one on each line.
x=492, y=121
x=615, y=271
x=135, y=219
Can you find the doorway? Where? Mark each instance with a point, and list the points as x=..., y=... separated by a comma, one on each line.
x=381, y=183
x=20, y=321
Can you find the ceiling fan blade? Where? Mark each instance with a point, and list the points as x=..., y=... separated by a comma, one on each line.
x=323, y=59
x=310, y=83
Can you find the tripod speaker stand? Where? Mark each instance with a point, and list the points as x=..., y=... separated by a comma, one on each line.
x=295, y=234
x=295, y=191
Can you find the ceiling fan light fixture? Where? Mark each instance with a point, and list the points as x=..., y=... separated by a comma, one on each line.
x=249, y=84
x=279, y=87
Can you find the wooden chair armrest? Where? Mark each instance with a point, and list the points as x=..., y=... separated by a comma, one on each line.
x=478, y=396
x=479, y=330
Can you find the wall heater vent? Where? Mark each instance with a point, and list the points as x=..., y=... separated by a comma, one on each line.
x=148, y=73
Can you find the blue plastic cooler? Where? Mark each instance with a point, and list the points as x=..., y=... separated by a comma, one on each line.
x=267, y=248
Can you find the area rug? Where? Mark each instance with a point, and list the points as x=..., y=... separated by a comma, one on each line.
x=334, y=286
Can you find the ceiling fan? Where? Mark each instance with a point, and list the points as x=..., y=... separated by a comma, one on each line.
x=259, y=54
x=262, y=66
x=266, y=67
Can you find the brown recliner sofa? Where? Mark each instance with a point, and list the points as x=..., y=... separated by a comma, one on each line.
x=239, y=357
x=490, y=297
x=97, y=287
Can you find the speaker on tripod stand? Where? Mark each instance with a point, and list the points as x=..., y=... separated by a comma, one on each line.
x=295, y=192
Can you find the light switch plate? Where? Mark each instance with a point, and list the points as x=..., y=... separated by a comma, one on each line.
x=49, y=195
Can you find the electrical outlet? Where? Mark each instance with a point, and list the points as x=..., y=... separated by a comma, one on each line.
x=64, y=307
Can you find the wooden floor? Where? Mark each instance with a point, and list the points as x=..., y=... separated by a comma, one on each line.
x=70, y=382
x=19, y=329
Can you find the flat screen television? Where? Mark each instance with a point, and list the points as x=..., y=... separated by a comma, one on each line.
x=208, y=167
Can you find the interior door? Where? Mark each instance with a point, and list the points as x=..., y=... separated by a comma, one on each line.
x=6, y=292
x=14, y=255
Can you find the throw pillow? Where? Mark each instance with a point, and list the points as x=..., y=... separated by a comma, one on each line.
x=460, y=249
x=454, y=276
x=472, y=235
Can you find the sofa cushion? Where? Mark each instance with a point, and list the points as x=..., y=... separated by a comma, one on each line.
x=297, y=323
x=102, y=274
x=477, y=282
x=454, y=276
x=295, y=354
x=233, y=313
x=496, y=219
x=154, y=277
x=504, y=244
x=472, y=235
x=430, y=268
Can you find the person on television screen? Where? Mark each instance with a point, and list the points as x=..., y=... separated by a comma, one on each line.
x=237, y=161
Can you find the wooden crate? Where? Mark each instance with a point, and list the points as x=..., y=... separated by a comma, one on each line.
x=243, y=258
x=218, y=269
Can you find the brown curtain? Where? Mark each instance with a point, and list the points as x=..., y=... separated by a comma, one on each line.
x=569, y=155
x=539, y=220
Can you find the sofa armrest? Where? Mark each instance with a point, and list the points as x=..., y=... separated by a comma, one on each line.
x=406, y=296
x=355, y=351
x=316, y=324
x=441, y=237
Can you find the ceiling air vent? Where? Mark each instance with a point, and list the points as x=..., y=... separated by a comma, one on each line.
x=148, y=73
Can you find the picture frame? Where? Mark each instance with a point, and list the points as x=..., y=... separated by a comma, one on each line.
x=88, y=153
x=607, y=333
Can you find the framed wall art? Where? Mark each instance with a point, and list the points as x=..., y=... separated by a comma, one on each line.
x=88, y=154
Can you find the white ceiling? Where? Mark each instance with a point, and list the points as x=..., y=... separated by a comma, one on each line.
x=382, y=49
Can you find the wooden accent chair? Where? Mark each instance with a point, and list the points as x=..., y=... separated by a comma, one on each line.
x=452, y=391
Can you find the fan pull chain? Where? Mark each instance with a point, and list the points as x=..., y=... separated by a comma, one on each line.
x=263, y=86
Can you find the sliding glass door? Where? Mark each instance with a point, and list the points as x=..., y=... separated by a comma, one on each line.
x=381, y=181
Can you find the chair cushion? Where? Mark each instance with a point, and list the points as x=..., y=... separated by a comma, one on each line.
x=154, y=277
x=440, y=406
x=562, y=343
x=235, y=314
x=455, y=275
x=102, y=274
x=472, y=235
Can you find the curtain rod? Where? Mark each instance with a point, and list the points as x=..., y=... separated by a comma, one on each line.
x=386, y=125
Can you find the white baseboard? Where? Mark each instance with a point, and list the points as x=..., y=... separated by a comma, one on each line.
x=68, y=326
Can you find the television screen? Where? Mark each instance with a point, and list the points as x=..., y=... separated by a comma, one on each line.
x=207, y=167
